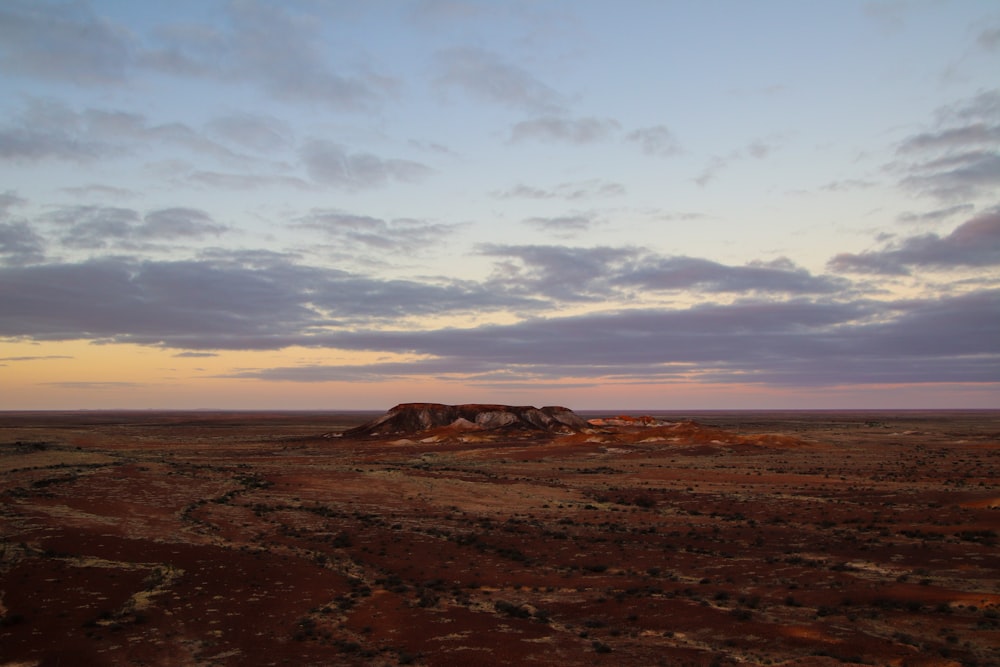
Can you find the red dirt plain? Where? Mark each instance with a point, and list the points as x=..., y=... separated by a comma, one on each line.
x=248, y=539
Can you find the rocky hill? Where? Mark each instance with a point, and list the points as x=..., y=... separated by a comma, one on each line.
x=416, y=418
x=479, y=423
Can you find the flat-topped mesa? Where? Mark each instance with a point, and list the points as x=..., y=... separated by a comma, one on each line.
x=413, y=418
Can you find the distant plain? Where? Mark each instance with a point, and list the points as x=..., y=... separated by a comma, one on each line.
x=228, y=538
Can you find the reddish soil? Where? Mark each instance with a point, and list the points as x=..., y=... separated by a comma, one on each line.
x=248, y=539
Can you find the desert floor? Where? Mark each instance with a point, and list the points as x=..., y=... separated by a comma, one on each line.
x=249, y=539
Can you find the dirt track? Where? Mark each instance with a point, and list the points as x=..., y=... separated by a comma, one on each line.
x=240, y=539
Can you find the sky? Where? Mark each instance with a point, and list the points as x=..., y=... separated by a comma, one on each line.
x=641, y=204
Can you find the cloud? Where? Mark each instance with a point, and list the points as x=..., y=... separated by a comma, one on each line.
x=866, y=262
x=570, y=191
x=9, y=200
x=279, y=49
x=95, y=227
x=614, y=340
x=150, y=302
x=989, y=39
x=244, y=181
x=380, y=372
x=401, y=235
x=975, y=135
x=431, y=147
x=563, y=224
x=557, y=272
x=657, y=140
x=683, y=216
x=522, y=191
x=959, y=158
x=120, y=125
x=757, y=149
x=938, y=214
x=451, y=10
x=176, y=223
x=791, y=343
x=849, y=184
x=48, y=129
x=271, y=46
x=975, y=243
x=252, y=131
x=778, y=276
x=63, y=41
x=760, y=149
x=956, y=177
x=20, y=244
x=623, y=274
x=569, y=130
x=262, y=300
x=222, y=301
x=711, y=170
x=890, y=15
x=984, y=107
x=488, y=77
x=100, y=191
x=331, y=164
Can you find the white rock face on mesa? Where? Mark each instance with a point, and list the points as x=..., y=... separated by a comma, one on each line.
x=416, y=418
x=644, y=421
